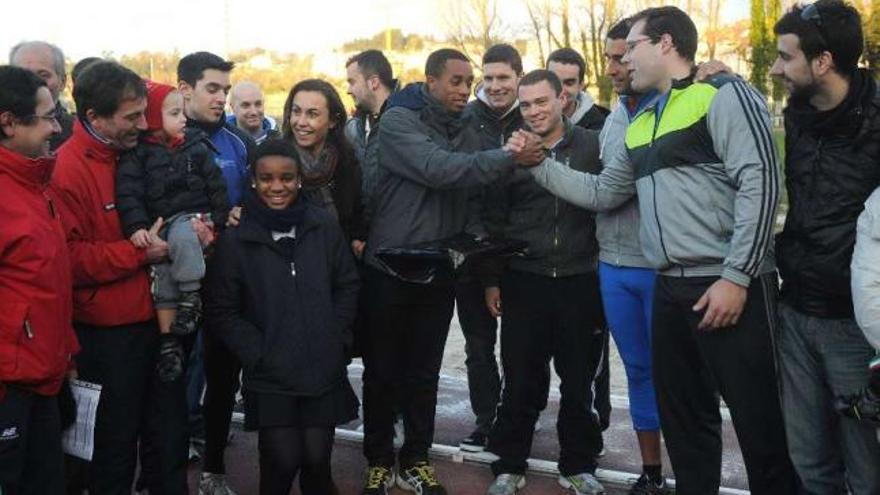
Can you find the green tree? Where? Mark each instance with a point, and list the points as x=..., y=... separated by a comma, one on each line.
x=872, y=36
x=759, y=38
x=774, y=13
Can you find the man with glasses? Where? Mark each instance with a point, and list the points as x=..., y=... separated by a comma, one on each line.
x=35, y=291
x=701, y=159
x=832, y=165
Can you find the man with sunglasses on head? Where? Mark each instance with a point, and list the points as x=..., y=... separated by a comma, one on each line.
x=832, y=164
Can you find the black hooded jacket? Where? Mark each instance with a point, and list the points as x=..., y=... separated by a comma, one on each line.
x=832, y=165
x=155, y=181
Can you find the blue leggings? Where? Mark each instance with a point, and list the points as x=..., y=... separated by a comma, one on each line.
x=628, y=294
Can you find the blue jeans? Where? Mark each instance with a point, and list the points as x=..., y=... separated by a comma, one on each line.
x=628, y=295
x=820, y=359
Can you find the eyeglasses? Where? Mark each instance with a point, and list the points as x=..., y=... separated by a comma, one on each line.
x=631, y=45
x=52, y=119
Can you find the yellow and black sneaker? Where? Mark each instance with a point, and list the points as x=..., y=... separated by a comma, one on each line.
x=379, y=480
x=420, y=479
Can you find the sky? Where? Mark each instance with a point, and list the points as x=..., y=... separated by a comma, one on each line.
x=93, y=27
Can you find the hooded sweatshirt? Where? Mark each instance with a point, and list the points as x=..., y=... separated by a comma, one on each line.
x=588, y=114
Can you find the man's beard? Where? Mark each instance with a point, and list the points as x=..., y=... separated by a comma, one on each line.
x=803, y=91
x=363, y=107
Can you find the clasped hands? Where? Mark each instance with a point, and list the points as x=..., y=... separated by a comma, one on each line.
x=526, y=147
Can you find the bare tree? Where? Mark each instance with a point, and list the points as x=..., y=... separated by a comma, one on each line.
x=598, y=18
x=473, y=25
x=713, y=26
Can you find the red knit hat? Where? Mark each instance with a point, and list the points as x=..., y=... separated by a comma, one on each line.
x=156, y=93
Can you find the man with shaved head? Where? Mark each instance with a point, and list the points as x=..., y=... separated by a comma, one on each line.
x=47, y=61
x=246, y=100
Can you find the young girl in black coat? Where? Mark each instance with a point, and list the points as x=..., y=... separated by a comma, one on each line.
x=282, y=294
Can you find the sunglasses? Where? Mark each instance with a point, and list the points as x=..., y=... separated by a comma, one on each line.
x=811, y=14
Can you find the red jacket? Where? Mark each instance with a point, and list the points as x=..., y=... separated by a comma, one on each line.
x=36, y=337
x=110, y=280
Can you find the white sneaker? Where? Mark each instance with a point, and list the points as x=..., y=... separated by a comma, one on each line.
x=506, y=484
x=214, y=484
x=582, y=484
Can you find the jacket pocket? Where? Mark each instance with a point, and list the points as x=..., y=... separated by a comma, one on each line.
x=14, y=327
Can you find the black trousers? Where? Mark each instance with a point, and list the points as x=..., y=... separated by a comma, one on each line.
x=546, y=318
x=31, y=461
x=222, y=371
x=480, y=330
x=692, y=367
x=404, y=348
x=134, y=406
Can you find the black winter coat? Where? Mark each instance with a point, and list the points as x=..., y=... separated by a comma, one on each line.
x=832, y=165
x=287, y=322
x=155, y=181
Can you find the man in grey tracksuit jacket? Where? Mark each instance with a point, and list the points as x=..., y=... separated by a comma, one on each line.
x=702, y=161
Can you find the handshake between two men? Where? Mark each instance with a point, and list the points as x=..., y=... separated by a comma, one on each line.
x=527, y=148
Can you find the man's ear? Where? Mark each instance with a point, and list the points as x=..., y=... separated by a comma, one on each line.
x=666, y=43
x=430, y=81
x=7, y=125
x=185, y=90
x=373, y=82
x=91, y=117
x=823, y=63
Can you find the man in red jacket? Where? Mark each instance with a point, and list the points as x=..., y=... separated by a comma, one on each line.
x=112, y=307
x=36, y=338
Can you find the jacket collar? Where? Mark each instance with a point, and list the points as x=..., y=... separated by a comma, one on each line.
x=31, y=171
x=251, y=231
x=583, y=104
x=483, y=102
x=92, y=145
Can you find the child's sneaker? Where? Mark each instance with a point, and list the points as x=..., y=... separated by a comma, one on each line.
x=189, y=314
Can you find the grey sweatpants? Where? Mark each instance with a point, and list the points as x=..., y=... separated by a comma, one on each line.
x=186, y=266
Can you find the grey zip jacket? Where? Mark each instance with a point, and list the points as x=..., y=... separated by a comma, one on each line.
x=705, y=168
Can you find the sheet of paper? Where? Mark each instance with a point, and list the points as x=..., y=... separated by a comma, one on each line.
x=79, y=439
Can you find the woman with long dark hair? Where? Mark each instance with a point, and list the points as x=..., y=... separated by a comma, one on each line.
x=282, y=294
x=314, y=121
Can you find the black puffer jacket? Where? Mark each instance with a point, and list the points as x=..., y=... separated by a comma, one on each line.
x=832, y=165
x=561, y=236
x=288, y=322
x=155, y=181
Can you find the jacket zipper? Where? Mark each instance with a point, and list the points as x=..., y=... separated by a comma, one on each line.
x=555, y=225
x=657, y=117
x=28, y=330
